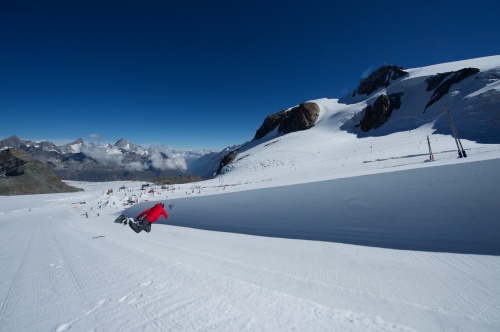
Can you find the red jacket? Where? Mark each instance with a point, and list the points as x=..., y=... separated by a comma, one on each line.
x=154, y=213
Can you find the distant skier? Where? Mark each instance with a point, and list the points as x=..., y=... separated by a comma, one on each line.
x=149, y=217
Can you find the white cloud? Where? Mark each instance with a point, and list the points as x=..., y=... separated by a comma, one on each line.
x=95, y=136
x=112, y=156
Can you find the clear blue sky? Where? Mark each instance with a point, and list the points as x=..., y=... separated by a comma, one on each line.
x=205, y=74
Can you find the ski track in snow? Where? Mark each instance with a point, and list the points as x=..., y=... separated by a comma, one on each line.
x=66, y=272
x=83, y=284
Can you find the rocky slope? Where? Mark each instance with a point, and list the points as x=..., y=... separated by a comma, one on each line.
x=22, y=174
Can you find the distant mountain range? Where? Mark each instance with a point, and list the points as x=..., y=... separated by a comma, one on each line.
x=88, y=161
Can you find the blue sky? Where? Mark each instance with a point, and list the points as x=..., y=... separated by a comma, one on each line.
x=205, y=74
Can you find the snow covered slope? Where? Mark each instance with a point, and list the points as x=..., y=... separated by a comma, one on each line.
x=336, y=146
x=342, y=268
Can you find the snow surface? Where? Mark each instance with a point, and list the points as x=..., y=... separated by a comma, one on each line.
x=320, y=230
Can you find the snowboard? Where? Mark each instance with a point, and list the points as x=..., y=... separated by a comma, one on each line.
x=122, y=219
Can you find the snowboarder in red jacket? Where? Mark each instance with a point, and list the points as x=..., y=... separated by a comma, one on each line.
x=150, y=216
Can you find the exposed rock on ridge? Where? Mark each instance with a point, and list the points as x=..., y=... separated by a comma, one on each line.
x=270, y=123
x=226, y=160
x=380, y=78
x=441, y=88
x=378, y=114
x=21, y=174
x=298, y=118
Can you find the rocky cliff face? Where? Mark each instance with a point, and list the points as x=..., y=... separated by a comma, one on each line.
x=380, y=78
x=298, y=118
x=378, y=114
x=21, y=174
x=441, y=83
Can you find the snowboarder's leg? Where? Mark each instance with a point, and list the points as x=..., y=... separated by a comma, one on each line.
x=134, y=227
x=144, y=224
x=147, y=226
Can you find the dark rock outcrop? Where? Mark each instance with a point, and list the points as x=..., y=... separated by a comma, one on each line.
x=22, y=174
x=441, y=88
x=378, y=114
x=381, y=78
x=301, y=117
x=270, y=123
x=226, y=160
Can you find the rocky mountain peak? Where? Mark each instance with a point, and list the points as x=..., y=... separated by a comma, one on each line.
x=122, y=143
x=11, y=142
x=298, y=118
x=380, y=78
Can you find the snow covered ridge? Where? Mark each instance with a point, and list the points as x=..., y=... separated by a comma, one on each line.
x=396, y=103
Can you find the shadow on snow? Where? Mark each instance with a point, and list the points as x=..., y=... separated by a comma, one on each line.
x=439, y=209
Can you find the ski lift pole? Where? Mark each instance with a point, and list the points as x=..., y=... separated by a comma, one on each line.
x=458, y=138
x=431, y=156
x=453, y=132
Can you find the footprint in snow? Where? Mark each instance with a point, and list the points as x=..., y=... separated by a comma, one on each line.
x=147, y=283
x=66, y=326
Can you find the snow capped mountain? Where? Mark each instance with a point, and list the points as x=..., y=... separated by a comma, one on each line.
x=74, y=147
x=402, y=108
x=88, y=161
x=125, y=145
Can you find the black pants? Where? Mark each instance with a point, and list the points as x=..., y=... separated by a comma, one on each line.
x=142, y=225
x=146, y=225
